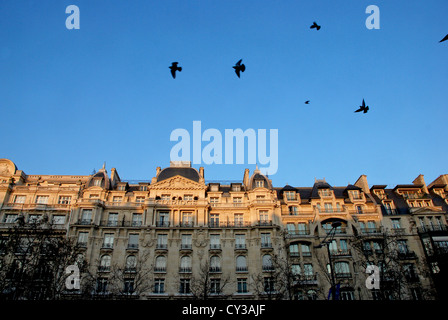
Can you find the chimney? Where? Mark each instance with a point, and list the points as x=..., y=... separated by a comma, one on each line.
x=363, y=184
x=201, y=172
x=246, y=178
x=157, y=171
x=421, y=180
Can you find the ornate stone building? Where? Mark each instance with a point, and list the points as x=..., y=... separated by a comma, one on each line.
x=178, y=237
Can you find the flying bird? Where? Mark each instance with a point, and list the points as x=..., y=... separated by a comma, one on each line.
x=174, y=68
x=315, y=25
x=363, y=107
x=239, y=67
x=307, y=102
x=444, y=39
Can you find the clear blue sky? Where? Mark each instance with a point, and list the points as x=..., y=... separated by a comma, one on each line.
x=72, y=99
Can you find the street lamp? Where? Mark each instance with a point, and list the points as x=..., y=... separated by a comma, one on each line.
x=326, y=242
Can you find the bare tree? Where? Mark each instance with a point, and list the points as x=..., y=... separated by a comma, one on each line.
x=33, y=261
x=207, y=284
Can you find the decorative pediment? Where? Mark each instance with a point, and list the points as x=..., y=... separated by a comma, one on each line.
x=177, y=183
x=426, y=210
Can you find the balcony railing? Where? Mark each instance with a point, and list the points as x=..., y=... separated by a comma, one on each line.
x=104, y=268
x=268, y=268
x=215, y=269
x=160, y=269
x=406, y=255
x=266, y=245
x=264, y=223
x=240, y=246
x=185, y=246
x=432, y=228
x=161, y=246
x=107, y=246
x=163, y=224
x=340, y=252
x=185, y=270
x=215, y=247
x=132, y=246
x=241, y=269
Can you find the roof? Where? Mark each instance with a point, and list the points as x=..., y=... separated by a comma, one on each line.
x=186, y=172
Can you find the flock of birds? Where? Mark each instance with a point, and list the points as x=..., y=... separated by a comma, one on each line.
x=240, y=67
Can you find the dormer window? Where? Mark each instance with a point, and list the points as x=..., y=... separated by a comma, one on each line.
x=165, y=197
x=355, y=194
x=97, y=182
x=259, y=183
x=325, y=193
x=290, y=195
x=143, y=188
x=236, y=187
x=380, y=194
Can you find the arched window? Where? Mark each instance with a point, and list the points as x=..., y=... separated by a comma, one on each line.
x=105, y=263
x=241, y=263
x=267, y=263
x=185, y=264
x=342, y=269
x=215, y=264
x=131, y=263
x=160, y=264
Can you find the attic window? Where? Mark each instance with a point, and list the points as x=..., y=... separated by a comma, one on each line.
x=259, y=183
x=236, y=187
x=121, y=188
x=143, y=188
x=97, y=182
x=325, y=192
x=290, y=195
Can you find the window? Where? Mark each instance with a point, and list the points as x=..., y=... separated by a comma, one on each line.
x=97, y=182
x=140, y=199
x=186, y=241
x=269, y=284
x=293, y=211
x=143, y=188
x=184, y=287
x=82, y=239
x=396, y=223
x=240, y=241
x=239, y=221
x=325, y=193
x=259, y=183
x=241, y=264
x=308, y=270
x=290, y=195
x=291, y=228
x=264, y=217
x=133, y=241
x=242, y=285
x=58, y=219
x=159, y=285
x=342, y=269
x=402, y=246
x=94, y=196
x=164, y=219
x=347, y=294
x=42, y=199
x=237, y=201
x=34, y=218
x=267, y=263
x=136, y=219
x=302, y=228
x=214, y=201
x=188, y=197
x=165, y=197
x=86, y=217
x=214, y=220
x=187, y=219
x=359, y=209
x=64, y=199
x=131, y=263
x=128, y=286
x=266, y=240
x=19, y=199
x=215, y=264
x=113, y=220
x=121, y=188
x=101, y=285
x=215, y=286
x=185, y=264
x=328, y=207
x=294, y=250
x=108, y=241
x=388, y=207
x=215, y=241
x=306, y=250
x=160, y=264
x=162, y=241
x=117, y=199
x=105, y=263
x=296, y=269
x=236, y=187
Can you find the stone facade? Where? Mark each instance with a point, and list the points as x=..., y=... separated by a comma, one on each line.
x=176, y=230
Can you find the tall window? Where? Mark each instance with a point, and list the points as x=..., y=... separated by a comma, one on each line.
x=396, y=223
x=238, y=217
x=186, y=241
x=128, y=286
x=185, y=264
x=82, y=239
x=19, y=199
x=159, y=285
x=215, y=264
x=259, y=183
x=131, y=263
x=264, y=216
x=86, y=217
x=58, y=220
x=164, y=218
x=294, y=250
x=342, y=269
x=214, y=201
x=215, y=286
x=113, y=219
x=240, y=241
x=101, y=285
x=136, y=219
x=267, y=263
x=266, y=240
x=214, y=220
x=302, y=228
x=215, y=241
x=105, y=263
x=162, y=241
x=306, y=250
x=139, y=199
x=242, y=285
x=108, y=240
x=241, y=264
x=133, y=241
x=290, y=195
x=160, y=264
x=187, y=219
x=184, y=287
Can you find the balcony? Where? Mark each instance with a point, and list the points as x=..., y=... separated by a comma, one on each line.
x=343, y=275
x=432, y=228
x=84, y=222
x=307, y=280
x=266, y=245
x=340, y=253
x=107, y=246
x=162, y=224
x=264, y=223
x=240, y=246
x=371, y=231
x=297, y=233
x=186, y=224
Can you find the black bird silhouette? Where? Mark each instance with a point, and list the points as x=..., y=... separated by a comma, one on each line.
x=363, y=107
x=239, y=67
x=307, y=102
x=315, y=25
x=174, y=68
x=444, y=39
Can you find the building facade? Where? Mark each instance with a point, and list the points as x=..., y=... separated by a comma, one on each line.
x=177, y=237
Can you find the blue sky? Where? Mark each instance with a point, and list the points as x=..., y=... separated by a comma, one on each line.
x=72, y=99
